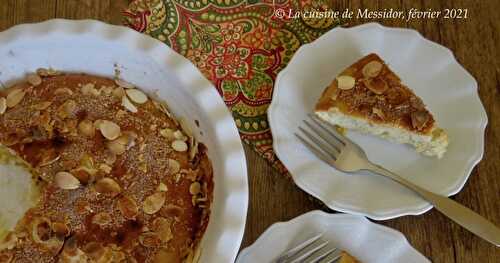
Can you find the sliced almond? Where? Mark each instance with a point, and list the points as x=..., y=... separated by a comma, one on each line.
x=109, y=129
x=128, y=105
x=107, y=89
x=124, y=84
x=378, y=112
x=3, y=105
x=14, y=97
x=42, y=105
x=137, y=96
x=118, y=92
x=345, y=82
x=128, y=207
x=193, y=148
x=66, y=181
x=116, y=147
x=67, y=109
x=173, y=166
x=162, y=187
x=180, y=146
x=167, y=133
x=102, y=219
x=180, y=136
x=105, y=168
x=108, y=186
x=376, y=85
x=86, y=128
x=89, y=89
x=150, y=239
x=195, y=188
x=60, y=91
x=419, y=119
x=153, y=203
x=42, y=72
x=372, y=69
x=161, y=226
x=34, y=79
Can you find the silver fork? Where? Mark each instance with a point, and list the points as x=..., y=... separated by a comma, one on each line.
x=310, y=251
x=345, y=155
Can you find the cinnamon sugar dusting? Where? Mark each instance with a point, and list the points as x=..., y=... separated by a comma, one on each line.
x=112, y=177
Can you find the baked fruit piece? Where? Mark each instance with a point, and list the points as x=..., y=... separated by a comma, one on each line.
x=370, y=98
x=123, y=181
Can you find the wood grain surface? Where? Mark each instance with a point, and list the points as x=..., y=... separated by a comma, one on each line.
x=475, y=41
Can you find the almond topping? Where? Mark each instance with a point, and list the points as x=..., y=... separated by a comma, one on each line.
x=167, y=133
x=419, y=119
x=173, y=166
x=42, y=72
x=378, y=112
x=105, y=168
x=67, y=109
x=42, y=105
x=116, y=147
x=102, y=219
x=109, y=129
x=3, y=105
x=128, y=207
x=153, y=203
x=180, y=136
x=15, y=97
x=195, y=188
x=63, y=90
x=124, y=84
x=119, y=92
x=162, y=187
x=180, y=146
x=86, y=127
x=345, y=82
x=108, y=186
x=136, y=96
x=34, y=79
x=66, y=181
x=150, y=239
x=128, y=105
x=376, y=85
x=161, y=226
x=372, y=69
x=89, y=89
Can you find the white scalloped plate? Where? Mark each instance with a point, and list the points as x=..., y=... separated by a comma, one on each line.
x=95, y=48
x=368, y=242
x=431, y=70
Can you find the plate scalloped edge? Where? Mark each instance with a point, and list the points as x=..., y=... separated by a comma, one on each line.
x=472, y=161
x=193, y=81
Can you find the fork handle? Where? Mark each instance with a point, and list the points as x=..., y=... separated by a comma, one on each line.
x=462, y=215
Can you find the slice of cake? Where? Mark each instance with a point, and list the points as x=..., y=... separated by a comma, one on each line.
x=370, y=98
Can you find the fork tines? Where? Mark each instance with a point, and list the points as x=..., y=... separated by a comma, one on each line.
x=312, y=250
x=326, y=143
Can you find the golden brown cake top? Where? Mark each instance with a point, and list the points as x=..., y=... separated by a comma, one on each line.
x=369, y=89
x=123, y=181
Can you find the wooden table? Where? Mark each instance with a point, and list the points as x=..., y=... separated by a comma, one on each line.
x=476, y=44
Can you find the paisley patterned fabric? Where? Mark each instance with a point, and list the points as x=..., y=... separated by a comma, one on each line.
x=239, y=45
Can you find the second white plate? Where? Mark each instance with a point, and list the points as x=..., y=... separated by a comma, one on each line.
x=368, y=242
x=431, y=70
